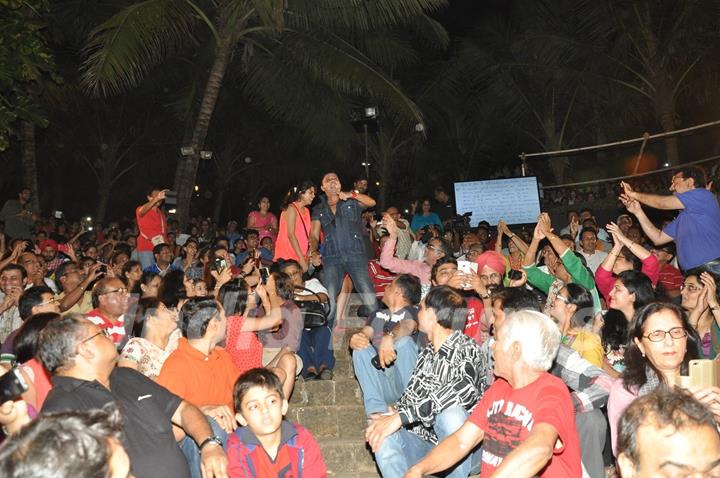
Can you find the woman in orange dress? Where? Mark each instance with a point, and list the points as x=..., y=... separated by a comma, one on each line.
x=294, y=234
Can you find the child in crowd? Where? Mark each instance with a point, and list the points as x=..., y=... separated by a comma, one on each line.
x=266, y=445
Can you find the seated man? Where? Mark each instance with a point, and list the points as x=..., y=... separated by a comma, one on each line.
x=163, y=255
x=35, y=300
x=110, y=299
x=82, y=358
x=589, y=385
x=668, y=431
x=50, y=443
x=13, y=279
x=198, y=370
x=291, y=449
x=445, y=385
x=73, y=284
x=390, y=336
x=525, y=420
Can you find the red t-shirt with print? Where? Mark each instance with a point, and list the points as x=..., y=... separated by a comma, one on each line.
x=508, y=415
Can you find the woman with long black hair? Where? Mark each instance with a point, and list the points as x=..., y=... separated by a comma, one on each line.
x=294, y=233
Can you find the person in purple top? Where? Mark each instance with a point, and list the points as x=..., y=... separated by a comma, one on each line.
x=696, y=230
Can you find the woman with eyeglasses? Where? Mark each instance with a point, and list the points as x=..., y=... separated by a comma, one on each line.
x=662, y=343
x=700, y=301
x=154, y=334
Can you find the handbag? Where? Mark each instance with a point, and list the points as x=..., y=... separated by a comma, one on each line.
x=314, y=312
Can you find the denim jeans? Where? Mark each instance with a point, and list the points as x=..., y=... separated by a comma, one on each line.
x=315, y=349
x=333, y=274
x=383, y=387
x=403, y=449
x=191, y=449
x=591, y=427
x=146, y=259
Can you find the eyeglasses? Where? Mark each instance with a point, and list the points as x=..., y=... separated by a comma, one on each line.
x=102, y=332
x=659, y=335
x=122, y=290
x=48, y=302
x=691, y=287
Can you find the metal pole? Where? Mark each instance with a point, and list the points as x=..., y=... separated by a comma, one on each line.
x=523, y=158
x=367, y=158
x=646, y=136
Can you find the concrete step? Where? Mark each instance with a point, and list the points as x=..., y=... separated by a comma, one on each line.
x=331, y=421
x=346, y=458
x=342, y=391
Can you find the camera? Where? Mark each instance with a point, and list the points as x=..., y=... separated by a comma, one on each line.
x=514, y=274
x=219, y=264
x=12, y=385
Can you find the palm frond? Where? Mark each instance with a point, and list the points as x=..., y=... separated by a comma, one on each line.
x=123, y=49
x=357, y=15
x=343, y=68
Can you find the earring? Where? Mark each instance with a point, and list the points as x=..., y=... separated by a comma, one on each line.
x=643, y=354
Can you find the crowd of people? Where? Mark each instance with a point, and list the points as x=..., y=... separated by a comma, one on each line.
x=147, y=350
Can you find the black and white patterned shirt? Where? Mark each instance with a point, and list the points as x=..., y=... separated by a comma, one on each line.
x=454, y=376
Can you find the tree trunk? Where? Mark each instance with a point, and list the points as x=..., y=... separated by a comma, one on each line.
x=103, y=196
x=665, y=113
x=29, y=161
x=219, y=200
x=187, y=166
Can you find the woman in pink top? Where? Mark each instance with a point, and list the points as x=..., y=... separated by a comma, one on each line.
x=294, y=235
x=263, y=221
x=625, y=255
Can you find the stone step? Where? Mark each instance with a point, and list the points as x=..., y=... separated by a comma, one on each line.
x=343, y=368
x=342, y=391
x=331, y=421
x=346, y=458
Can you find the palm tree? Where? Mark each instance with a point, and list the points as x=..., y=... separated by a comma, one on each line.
x=323, y=37
x=655, y=49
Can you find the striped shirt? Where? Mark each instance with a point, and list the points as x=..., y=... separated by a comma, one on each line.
x=116, y=329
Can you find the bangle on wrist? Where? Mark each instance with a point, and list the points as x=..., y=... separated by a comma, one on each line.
x=212, y=439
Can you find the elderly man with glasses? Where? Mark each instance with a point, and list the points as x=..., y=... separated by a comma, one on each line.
x=110, y=299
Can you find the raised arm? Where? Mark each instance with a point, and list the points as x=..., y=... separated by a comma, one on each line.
x=657, y=236
x=154, y=199
x=653, y=200
x=364, y=200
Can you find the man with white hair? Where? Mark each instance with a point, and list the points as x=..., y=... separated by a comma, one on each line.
x=525, y=420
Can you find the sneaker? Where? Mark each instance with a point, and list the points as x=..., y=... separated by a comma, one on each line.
x=326, y=374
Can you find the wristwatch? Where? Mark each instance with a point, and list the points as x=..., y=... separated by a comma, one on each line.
x=212, y=439
x=391, y=334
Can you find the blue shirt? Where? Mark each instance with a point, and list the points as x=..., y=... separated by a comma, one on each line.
x=696, y=230
x=343, y=231
x=419, y=221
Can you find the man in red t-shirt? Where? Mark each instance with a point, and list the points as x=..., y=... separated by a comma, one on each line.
x=152, y=226
x=525, y=420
